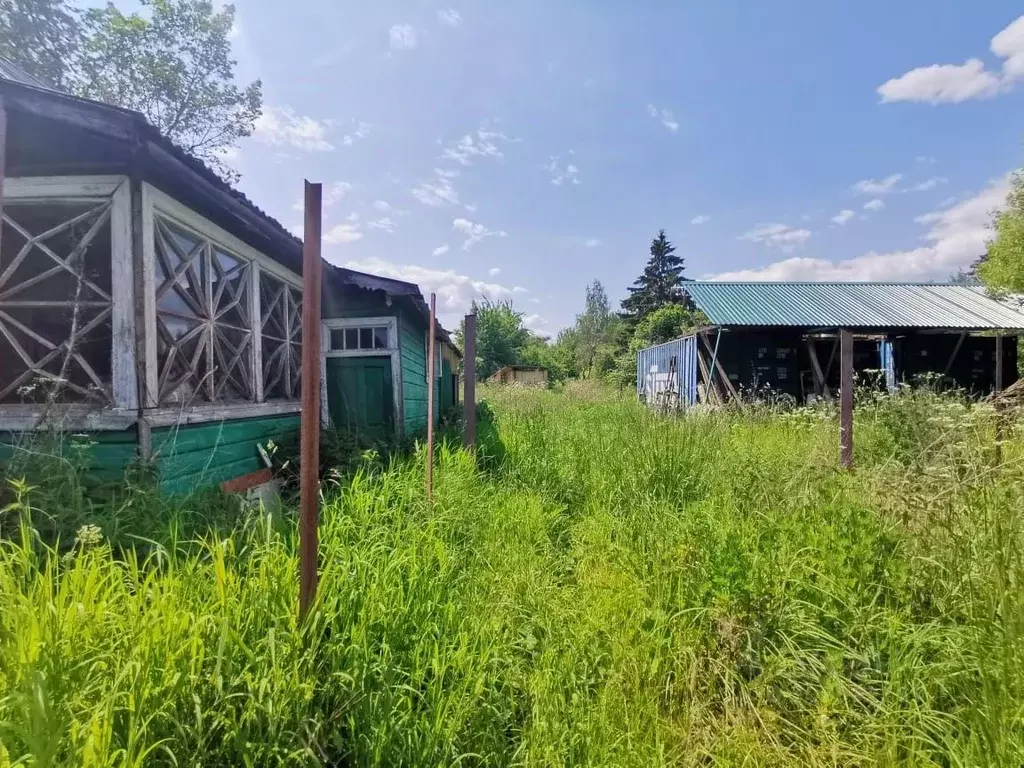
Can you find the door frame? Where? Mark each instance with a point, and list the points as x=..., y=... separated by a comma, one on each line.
x=393, y=351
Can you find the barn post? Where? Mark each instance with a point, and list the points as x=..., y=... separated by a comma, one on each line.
x=846, y=398
x=469, y=404
x=999, y=364
x=309, y=460
x=430, y=398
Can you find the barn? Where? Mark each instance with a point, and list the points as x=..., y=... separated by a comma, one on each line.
x=782, y=340
x=149, y=310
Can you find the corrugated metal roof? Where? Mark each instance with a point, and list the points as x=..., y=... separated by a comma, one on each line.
x=853, y=305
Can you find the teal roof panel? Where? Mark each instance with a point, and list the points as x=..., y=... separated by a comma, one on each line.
x=854, y=305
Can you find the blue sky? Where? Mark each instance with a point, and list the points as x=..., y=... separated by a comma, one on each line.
x=521, y=150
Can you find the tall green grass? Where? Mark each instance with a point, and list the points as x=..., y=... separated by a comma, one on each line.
x=598, y=587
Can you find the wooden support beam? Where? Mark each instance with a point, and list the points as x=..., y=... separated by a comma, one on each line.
x=144, y=278
x=820, y=384
x=721, y=372
x=431, y=342
x=3, y=154
x=952, y=357
x=831, y=358
x=309, y=460
x=999, y=363
x=469, y=406
x=846, y=398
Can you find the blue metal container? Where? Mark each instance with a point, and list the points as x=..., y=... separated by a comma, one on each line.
x=666, y=374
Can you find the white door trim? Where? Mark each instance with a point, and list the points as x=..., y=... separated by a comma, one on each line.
x=392, y=351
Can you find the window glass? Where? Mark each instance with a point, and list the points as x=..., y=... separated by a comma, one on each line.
x=366, y=338
x=351, y=338
x=380, y=338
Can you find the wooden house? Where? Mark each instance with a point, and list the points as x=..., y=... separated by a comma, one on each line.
x=151, y=308
x=527, y=375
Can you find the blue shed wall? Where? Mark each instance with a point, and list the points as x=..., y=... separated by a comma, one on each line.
x=654, y=364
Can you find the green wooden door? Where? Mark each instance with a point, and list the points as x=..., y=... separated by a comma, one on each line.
x=359, y=395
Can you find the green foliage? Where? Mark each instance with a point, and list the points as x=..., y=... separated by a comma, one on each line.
x=660, y=284
x=1003, y=268
x=42, y=36
x=501, y=336
x=609, y=589
x=661, y=325
x=171, y=61
x=174, y=65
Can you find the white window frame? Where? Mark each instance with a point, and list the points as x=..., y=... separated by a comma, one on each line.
x=124, y=382
x=393, y=351
x=155, y=202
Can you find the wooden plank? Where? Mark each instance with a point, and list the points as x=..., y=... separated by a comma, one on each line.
x=70, y=188
x=143, y=248
x=999, y=364
x=431, y=385
x=952, y=357
x=309, y=463
x=256, y=322
x=846, y=398
x=831, y=358
x=723, y=377
x=245, y=482
x=3, y=160
x=469, y=406
x=820, y=385
x=17, y=418
x=124, y=369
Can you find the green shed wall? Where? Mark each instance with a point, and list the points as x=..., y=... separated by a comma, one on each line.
x=203, y=455
x=104, y=454
x=445, y=386
x=414, y=376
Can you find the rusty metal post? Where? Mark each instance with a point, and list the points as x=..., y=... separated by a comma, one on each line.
x=431, y=342
x=846, y=398
x=309, y=460
x=469, y=406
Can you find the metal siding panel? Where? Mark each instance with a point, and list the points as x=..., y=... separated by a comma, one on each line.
x=853, y=305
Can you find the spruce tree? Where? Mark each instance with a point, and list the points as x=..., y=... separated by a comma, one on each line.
x=660, y=285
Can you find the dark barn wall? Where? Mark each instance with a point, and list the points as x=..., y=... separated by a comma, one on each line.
x=755, y=360
x=973, y=369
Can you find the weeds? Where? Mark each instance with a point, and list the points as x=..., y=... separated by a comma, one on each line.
x=597, y=587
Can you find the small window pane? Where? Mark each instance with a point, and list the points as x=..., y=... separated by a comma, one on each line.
x=380, y=338
x=337, y=338
x=366, y=338
x=351, y=338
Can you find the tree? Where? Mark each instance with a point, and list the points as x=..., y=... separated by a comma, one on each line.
x=659, y=285
x=43, y=37
x=664, y=324
x=592, y=326
x=500, y=336
x=174, y=66
x=1003, y=267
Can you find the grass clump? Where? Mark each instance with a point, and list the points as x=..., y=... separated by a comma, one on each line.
x=598, y=587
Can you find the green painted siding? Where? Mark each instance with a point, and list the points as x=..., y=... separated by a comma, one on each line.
x=414, y=376
x=105, y=454
x=445, y=386
x=202, y=455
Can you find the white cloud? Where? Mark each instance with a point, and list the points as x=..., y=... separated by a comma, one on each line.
x=877, y=186
x=953, y=83
x=481, y=143
x=955, y=238
x=568, y=174
x=385, y=224
x=534, y=301
x=931, y=183
x=781, y=236
x=494, y=271
x=354, y=216
x=380, y=205
x=700, y=219
x=402, y=37
x=535, y=322
x=591, y=242
x=439, y=190
x=874, y=205
x=441, y=250
x=666, y=117
x=361, y=132
x=332, y=194
x=449, y=17
x=340, y=234
x=474, y=232
x=926, y=159
x=454, y=291
x=947, y=202
x=843, y=216
x=281, y=127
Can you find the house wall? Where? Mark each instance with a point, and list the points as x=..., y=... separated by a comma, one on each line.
x=104, y=454
x=412, y=341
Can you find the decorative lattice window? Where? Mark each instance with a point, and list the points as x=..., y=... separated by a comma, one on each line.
x=55, y=302
x=204, y=319
x=281, y=310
